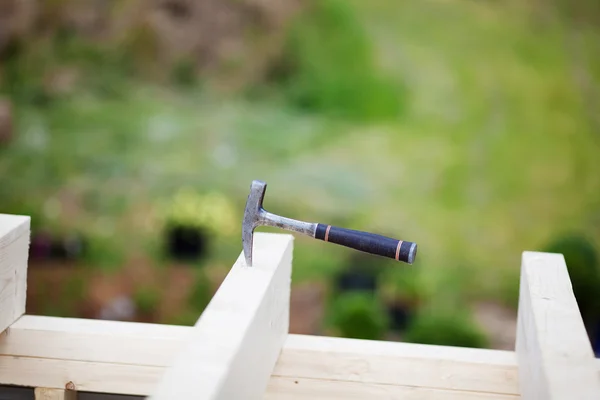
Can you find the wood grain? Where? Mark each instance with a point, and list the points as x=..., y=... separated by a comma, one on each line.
x=555, y=357
x=285, y=388
x=54, y=394
x=130, y=358
x=14, y=252
x=399, y=364
x=236, y=342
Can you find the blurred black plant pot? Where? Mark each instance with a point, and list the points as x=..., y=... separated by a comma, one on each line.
x=356, y=279
x=361, y=273
x=400, y=314
x=186, y=242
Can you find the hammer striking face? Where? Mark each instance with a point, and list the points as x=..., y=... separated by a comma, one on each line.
x=255, y=215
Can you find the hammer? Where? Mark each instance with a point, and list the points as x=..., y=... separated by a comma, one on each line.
x=255, y=215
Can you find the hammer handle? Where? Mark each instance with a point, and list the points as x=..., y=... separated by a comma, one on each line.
x=368, y=242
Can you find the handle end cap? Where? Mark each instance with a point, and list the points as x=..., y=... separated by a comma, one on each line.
x=412, y=253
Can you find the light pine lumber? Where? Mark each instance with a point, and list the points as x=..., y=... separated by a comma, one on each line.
x=54, y=394
x=284, y=388
x=86, y=376
x=399, y=364
x=555, y=357
x=96, y=341
x=14, y=253
x=130, y=358
x=236, y=342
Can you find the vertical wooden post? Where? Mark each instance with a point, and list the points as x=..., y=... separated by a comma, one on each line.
x=235, y=344
x=54, y=394
x=14, y=252
x=556, y=361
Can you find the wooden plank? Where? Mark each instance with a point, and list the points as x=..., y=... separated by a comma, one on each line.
x=95, y=341
x=399, y=364
x=285, y=388
x=54, y=394
x=237, y=340
x=555, y=357
x=14, y=253
x=86, y=376
x=130, y=358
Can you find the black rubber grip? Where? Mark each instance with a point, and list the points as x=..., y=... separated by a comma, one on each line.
x=368, y=242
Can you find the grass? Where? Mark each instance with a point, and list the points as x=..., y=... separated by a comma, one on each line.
x=494, y=154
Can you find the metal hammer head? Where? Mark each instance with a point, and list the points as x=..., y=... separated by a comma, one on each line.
x=252, y=217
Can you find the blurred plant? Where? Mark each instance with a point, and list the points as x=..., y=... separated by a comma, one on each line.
x=184, y=73
x=446, y=326
x=358, y=315
x=402, y=291
x=146, y=299
x=73, y=294
x=192, y=220
x=403, y=285
x=185, y=317
x=328, y=66
x=200, y=293
x=584, y=270
x=212, y=211
x=105, y=252
x=21, y=76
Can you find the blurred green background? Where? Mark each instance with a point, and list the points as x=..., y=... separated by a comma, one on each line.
x=130, y=131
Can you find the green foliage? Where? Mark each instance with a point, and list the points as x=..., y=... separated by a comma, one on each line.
x=445, y=326
x=74, y=288
x=184, y=73
x=102, y=69
x=584, y=270
x=358, y=315
x=185, y=317
x=104, y=252
x=404, y=285
x=21, y=77
x=213, y=211
x=329, y=67
x=200, y=293
x=146, y=299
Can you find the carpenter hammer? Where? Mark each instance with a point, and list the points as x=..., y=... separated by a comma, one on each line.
x=255, y=215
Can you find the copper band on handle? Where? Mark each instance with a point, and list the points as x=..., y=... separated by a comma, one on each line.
x=327, y=232
x=398, y=249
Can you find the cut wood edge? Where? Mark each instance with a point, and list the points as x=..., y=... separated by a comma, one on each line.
x=555, y=357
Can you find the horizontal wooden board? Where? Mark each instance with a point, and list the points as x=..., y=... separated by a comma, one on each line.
x=84, y=375
x=113, y=342
x=129, y=358
x=399, y=364
x=286, y=388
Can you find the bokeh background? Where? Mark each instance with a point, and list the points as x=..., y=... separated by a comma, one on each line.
x=130, y=131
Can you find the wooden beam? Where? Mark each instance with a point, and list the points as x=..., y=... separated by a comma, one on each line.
x=130, y=358
x=237, y=340
x=398, y=364
x=555, y=356
x=14, y=252
x=282, y=388
x=54, y=394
